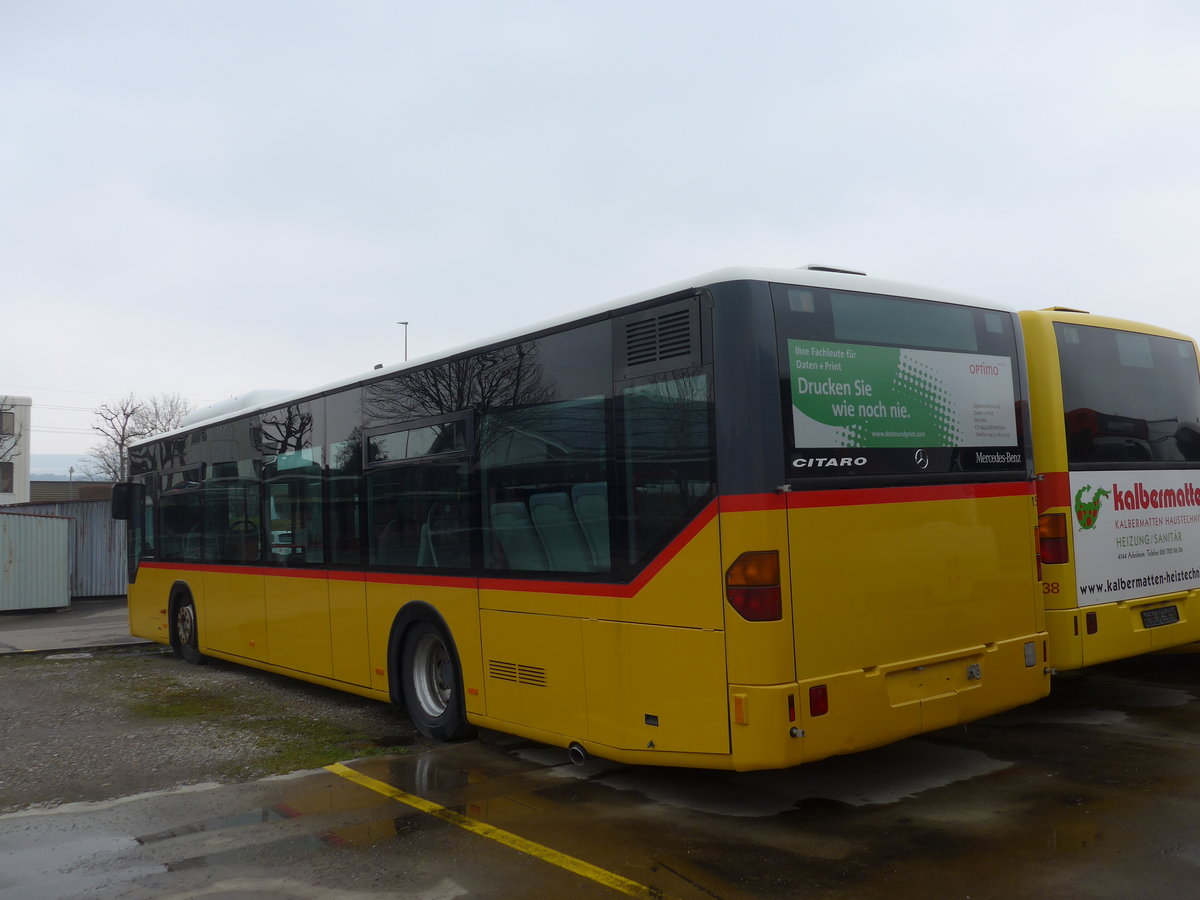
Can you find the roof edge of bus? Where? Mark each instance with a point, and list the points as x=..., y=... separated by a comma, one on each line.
x=805, y=276
x=249, y=400
x=1066, y=314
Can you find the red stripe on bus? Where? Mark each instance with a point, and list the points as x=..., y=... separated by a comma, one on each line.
x=922, y=494
x=1054, y=489
x=872, y=496
x=753, y=502
x=726, y=504
x=449, y=581
x=213, y=568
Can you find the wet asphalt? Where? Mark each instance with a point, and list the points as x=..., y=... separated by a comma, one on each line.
x=1093, y=792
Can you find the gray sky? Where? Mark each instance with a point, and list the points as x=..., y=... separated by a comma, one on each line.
x=205, y=198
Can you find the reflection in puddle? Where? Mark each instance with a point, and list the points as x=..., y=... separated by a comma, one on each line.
x=276, y=813
x=250, y=853
x=1049, y=716
x=872, y=778
x=50, y=869
x=1144, y=696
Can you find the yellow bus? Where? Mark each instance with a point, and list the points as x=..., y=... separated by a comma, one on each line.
x=1115, y=407
x=746, y=521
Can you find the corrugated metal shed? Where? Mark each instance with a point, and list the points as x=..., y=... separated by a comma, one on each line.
x=33, y=562
x=97, y=545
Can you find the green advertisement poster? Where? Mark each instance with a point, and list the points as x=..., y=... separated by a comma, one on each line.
x=856, y=395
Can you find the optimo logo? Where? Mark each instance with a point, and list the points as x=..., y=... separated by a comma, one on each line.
x=828, y=462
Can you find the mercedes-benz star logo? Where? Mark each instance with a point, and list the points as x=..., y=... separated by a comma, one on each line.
x=921, y=458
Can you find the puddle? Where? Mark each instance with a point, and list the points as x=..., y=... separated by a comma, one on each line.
x=50, y=869
x=265, y=814
x=873, y=778
x=1040, y=716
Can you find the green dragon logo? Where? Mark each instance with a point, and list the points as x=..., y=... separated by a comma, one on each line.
x=1087, y=511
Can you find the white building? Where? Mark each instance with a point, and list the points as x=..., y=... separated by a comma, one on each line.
x=14, y=449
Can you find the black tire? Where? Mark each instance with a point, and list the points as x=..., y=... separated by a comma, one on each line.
x=185, y=637
x=432, y=683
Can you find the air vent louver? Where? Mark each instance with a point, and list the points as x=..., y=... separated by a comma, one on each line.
x=535, y=676
x=664, y=337
x=659, y=340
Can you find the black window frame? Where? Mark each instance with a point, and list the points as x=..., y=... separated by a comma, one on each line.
x=1131, y=435
x=838, y=467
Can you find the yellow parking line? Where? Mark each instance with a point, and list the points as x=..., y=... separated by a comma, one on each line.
x=507, y=838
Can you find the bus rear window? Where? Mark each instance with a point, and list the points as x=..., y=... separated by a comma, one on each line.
x=881, y=385
x=1129, y=399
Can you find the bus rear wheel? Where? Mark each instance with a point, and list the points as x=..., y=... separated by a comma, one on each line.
x=432, y=683
x=186, y=637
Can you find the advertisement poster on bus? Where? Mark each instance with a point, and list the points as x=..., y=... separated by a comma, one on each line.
x=1137, y=534
x=862, y=396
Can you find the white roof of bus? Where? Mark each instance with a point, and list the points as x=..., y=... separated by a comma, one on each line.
x=263, y=400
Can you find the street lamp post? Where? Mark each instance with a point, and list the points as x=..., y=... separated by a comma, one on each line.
x=405, y=324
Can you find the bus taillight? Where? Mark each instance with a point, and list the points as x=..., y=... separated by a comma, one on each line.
x=818, y=700
x=1052, y=538
x=752, y=586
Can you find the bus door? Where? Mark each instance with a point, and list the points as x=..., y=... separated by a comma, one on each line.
x=297, y=595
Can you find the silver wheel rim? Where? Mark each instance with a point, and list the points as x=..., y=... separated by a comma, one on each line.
x=431, y=675
x=185, y=622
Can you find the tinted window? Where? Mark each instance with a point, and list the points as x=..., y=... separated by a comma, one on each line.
x=413, y=443
x=880, y=385
x=420, y=516
x=669, y=461
x=293, y=449
x=181, y=516
x=344, y=461
x=1128, y=398
x=232, y=511
x=543, y=475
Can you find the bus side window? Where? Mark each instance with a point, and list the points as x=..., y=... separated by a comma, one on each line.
x=418, y=516
x=670, y=472
x=295, y=513
x=534, y=461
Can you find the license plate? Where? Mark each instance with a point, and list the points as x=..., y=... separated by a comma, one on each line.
x=1163, y=615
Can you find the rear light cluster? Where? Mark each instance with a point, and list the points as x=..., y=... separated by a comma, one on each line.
x=752, y=586
x=1052, y=538
x=818, y=700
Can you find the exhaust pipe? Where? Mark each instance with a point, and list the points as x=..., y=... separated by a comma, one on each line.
x=577, y=754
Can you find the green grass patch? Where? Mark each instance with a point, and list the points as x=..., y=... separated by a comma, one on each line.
x=289, y=744
x=276, y=741
x=177, y=702
x=277, y=725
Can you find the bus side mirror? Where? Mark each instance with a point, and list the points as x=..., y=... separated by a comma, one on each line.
x=126, y=499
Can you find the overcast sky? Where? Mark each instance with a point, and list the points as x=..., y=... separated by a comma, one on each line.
x=206, y=198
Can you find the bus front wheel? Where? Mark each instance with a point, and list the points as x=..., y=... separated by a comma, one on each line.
x=432, y=683
x=186, y=637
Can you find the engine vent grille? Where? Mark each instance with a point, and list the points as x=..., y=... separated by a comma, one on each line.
x=667, y=336
x=658, y=340
x=517, y=673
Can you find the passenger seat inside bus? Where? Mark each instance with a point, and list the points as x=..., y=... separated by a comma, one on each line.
x=554, y=519
x=591, y=509
x=521, y=545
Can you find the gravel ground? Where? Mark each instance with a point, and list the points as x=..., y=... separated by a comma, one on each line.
x=116, y=724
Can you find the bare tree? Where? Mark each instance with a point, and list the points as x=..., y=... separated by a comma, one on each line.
x=126, y=421
x=164, y=412
x=11, y=432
